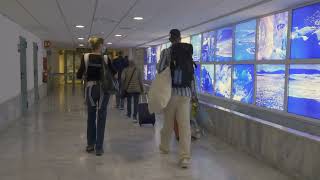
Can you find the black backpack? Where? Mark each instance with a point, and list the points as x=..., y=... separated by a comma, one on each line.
x=182, y=65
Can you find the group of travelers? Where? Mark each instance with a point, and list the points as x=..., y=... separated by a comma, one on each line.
x=130, y=86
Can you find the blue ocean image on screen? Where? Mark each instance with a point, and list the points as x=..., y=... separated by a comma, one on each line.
x=223, y=81
x=245, y=41
x=224, y=44
x=151, y=72
x=270, y=86
x=243, y=83
x=272, y=40
x=196, y=43
x=208, y=39
x=154, y=55
x=207, y=79
x=304, y=90
x=145, y=72
x=198, y=77
x=149, y=61
x=305, y=32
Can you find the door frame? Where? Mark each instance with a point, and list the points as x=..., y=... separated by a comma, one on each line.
x=22, y=49
x=36, y=72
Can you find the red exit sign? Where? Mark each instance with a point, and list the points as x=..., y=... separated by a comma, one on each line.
x=47, y=44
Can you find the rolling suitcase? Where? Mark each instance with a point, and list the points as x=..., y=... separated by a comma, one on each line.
x=143, y=112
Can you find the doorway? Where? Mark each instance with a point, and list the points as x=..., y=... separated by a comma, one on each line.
x=22, y=47
x=35, y=72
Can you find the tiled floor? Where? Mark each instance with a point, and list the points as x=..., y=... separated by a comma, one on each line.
x=48, y=144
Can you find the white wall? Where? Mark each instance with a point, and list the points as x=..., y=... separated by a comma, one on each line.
x=10, y=59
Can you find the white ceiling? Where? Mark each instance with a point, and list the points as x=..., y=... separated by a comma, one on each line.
x=55, y=20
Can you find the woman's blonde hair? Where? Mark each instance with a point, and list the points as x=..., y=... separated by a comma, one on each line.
x=95, y=42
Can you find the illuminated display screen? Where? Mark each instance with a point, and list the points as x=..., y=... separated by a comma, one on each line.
x=272, y=39
x=196, y=43
x=304, y=90
x=152, y=70
x=243, y=83
x=223, y=81
x=198, y=77
x=305, y=32
x=208, y=46
x=270, y=86
x=245, y=41
x=224, y=44
x=207, y=79
x=153, y=54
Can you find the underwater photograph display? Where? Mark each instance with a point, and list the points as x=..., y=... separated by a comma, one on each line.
x=245, y=41
x=270, y=86
x=196, y=43
x=223, y=81
x=152, y=70
x=243, y=83
x=186, y=40
x=153, y=54
x=145, y=72
x=207, y=78
x=304, y=90
x=148, y=55
x=198, y=77
x=305, y=32
x=208, y=40
x=272, y=39
x=224, y=44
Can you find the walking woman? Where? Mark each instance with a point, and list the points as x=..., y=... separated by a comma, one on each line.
x=96, y=99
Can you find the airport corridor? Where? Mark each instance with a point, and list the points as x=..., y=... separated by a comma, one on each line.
x=49, y=144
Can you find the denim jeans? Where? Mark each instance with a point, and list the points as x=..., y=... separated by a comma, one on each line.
x=97, y=103
x=135, y=97
x=119, y=101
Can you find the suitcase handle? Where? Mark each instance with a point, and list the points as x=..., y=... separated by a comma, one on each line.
x=143, y=99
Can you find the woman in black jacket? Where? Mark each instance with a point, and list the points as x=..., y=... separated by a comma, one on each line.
x=96, y=99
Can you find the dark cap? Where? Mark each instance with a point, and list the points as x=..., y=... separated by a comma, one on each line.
x=175, y=33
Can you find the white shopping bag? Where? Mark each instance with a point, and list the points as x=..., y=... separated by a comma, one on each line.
x=160, y=91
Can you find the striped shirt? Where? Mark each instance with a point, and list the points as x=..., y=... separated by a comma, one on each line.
x=164, y=62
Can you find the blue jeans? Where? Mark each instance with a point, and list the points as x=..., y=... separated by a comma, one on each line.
x=135, y=97
x=96, y=101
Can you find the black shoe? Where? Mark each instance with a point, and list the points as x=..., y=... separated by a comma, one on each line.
x=129, y=116
x=99, y=152
x=90, y=149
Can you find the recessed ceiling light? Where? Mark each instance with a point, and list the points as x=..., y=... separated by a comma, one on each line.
x=81, y=45
x=80, y=26
x=109, y=43
x=80, y=38
x=118, y=35
x=138, y=18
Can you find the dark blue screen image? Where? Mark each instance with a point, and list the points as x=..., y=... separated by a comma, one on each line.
x=305, y=32
x=154, y=55
x=243, y=83
x=304, y=90
x=207, y=79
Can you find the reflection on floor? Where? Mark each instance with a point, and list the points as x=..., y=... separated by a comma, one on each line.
x=48, y=144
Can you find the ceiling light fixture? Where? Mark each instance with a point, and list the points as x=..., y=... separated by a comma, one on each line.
x=138, y=18
x=109, y=43
x=118, y=35
x=80, y=26
x=81, y=45
x=81, y=38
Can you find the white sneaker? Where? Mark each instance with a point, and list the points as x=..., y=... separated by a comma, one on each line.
x=184, y=163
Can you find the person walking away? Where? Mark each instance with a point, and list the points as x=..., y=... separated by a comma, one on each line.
x=96, y=99
x=119, y=64
x=179, y=58
x=133, y=85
